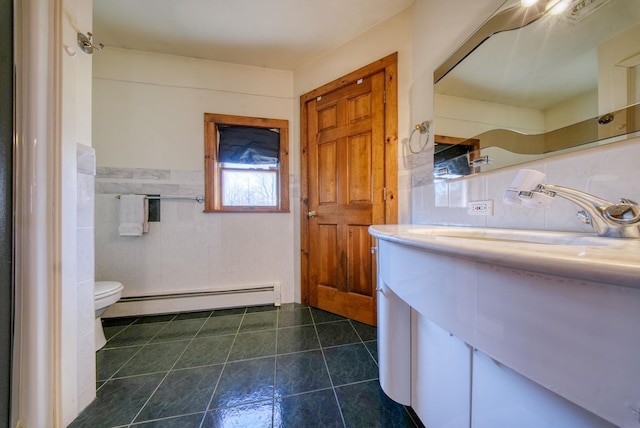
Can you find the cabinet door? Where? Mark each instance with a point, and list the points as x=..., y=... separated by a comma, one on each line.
x=394, y=345
x=442, y=376
x=503, y=398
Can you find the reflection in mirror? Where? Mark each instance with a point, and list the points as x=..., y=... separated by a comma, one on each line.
x=454, y=157
x=561, y=83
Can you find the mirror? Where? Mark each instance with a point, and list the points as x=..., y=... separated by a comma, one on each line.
x=559, y=83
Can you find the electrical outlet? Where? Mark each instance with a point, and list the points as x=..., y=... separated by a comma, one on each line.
x=480, y=207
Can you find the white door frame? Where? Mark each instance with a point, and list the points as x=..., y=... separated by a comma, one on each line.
x=36, y=379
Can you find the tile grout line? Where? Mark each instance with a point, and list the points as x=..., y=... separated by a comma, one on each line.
x=333, y=388
x=224, y=366
x=375, y=360
x=135, y=353
x=122, y=329
x=171, y=368
x=165, y=418
x=227, y=360
x=123, y=364
x=275, y=372
x=377, y=365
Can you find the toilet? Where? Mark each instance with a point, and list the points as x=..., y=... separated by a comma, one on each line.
x=106, y=293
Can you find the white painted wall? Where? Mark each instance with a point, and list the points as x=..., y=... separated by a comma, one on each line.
x=466, y=118
x=574, y=110
x=148, y=113
x=148, y=122
x=613, y=78
x=148, y=109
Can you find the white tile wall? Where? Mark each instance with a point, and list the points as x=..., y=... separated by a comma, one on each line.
x=188, y=250
x=85, y=271
x=86, y=369
x=609, y=172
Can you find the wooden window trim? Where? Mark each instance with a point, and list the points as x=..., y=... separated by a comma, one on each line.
x=212, y=168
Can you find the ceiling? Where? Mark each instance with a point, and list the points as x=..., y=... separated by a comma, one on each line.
x=279, y=34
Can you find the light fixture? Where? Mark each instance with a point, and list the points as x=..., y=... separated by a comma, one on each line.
x=528, y=3
x=584, y=8
x=556, y=7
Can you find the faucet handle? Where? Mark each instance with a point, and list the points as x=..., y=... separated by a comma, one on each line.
x=627, y=201
x=623, y=213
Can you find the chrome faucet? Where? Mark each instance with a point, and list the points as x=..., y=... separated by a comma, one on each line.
x=613, y=220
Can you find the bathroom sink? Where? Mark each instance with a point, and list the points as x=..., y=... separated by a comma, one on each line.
x=516, y=297
x=516, y=236
x=577, y=255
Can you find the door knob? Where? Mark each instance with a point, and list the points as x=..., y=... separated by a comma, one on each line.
x=312, y=214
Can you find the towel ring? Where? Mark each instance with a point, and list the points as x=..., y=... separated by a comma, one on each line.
x=422, y=128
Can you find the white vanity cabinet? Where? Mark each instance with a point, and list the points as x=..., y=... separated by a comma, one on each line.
x=499, y=346
x=442, y=376
x=503, y=398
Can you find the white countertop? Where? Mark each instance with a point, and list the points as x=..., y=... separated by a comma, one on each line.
x=570, y=254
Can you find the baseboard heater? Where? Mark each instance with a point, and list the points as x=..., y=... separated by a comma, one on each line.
x=198, y=300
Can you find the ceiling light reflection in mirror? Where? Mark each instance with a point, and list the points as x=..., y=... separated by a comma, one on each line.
x=545, y=78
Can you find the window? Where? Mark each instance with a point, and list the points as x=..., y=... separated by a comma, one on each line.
x=246, y=164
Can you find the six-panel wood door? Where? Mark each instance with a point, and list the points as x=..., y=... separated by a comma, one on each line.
x=346, y=149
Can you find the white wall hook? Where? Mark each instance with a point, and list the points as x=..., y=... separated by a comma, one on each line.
x=69, y=50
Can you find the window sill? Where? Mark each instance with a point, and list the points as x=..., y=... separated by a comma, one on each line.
x=262, y=210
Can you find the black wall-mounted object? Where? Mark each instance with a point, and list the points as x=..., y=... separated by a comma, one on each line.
x=154, y=208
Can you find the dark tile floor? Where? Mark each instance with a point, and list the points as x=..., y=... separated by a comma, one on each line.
x=249, y=367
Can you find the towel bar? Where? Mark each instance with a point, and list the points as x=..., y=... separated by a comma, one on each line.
x=198, y=198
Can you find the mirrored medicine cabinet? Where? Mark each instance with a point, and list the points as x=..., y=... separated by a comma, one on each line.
x=529, y=84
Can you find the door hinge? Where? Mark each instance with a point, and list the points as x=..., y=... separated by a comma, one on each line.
x=384, y=96
x=384, y=193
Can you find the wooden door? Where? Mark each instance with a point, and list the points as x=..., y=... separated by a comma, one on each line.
x=345, y=187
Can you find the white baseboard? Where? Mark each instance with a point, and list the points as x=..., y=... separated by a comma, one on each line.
x=195, y=301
